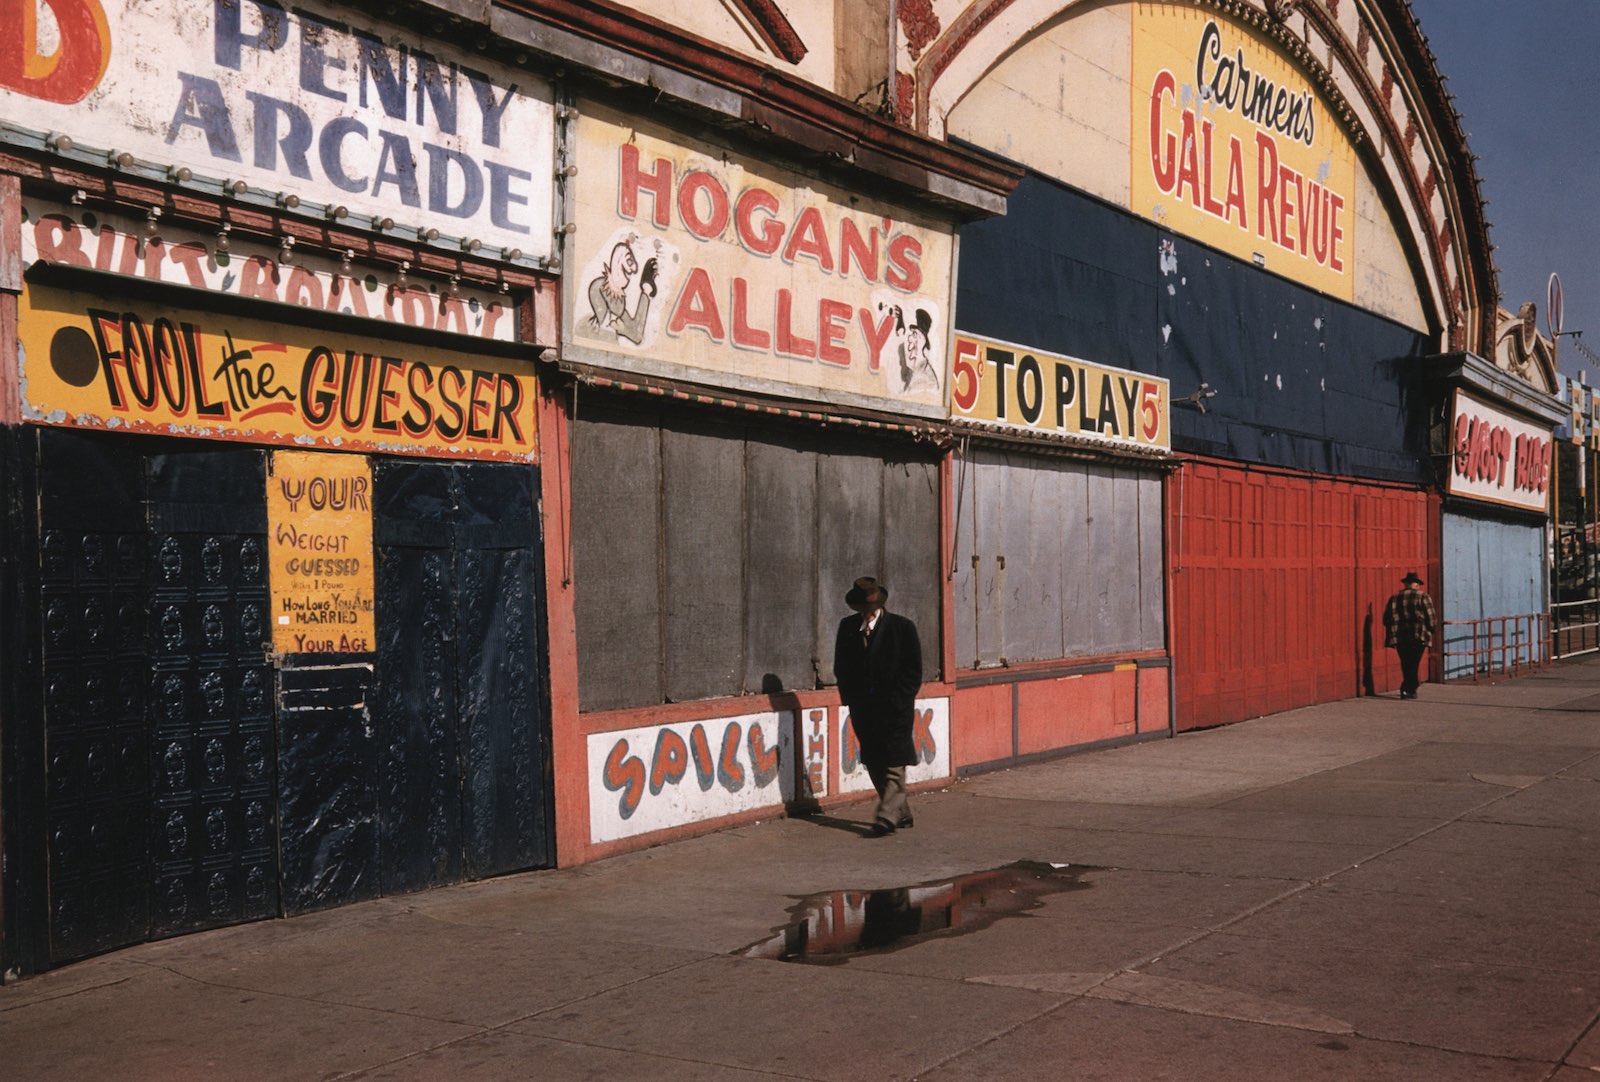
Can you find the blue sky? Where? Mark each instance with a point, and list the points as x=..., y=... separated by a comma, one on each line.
x=1526, y=79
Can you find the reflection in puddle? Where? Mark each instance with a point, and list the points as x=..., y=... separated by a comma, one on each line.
x=829, y=928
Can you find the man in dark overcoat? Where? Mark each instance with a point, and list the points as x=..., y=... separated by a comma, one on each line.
x=877, y=659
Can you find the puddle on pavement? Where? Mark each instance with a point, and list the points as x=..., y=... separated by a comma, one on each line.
x=827, y=929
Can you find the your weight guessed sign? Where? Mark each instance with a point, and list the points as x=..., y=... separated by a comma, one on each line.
x=319, y=507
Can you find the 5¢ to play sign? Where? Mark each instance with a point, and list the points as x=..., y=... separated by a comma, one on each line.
x=1018, y=387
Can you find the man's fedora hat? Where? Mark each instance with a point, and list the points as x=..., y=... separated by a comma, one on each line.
x=866, y=593
x=1412, y=576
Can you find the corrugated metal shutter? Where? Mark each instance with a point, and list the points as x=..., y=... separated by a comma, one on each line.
x=1492, y=569
x=712, y=554
x=1054, y=559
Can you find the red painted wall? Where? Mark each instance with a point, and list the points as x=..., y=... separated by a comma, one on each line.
x=1074, y=710
x=1032, y=713
x=980, y=725
x=1155, y=707
x=1278, y=587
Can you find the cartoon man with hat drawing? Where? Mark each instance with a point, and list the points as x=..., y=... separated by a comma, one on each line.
x=916, y=370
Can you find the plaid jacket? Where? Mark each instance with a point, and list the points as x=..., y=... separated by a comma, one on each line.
x=1408, y=617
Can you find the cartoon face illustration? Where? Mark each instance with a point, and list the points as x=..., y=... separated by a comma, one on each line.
x=916, y=371
x=622, y=280
x=916, y=348
x=621, y=267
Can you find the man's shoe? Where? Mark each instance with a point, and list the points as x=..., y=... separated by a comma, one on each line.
x=880, y=830
x=906, y=822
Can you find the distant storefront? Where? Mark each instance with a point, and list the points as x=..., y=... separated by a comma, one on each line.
x=1495, y=521
x=758, y=358
x=272, y=470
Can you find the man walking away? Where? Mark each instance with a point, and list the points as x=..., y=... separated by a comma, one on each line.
x=877, y=659
x=1408, y=625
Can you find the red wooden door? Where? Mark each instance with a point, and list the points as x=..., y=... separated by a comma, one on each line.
x=1278, y=588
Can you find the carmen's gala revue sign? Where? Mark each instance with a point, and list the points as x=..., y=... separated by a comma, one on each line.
x=142, y=367
x=292, y=98
x=1232, y=146
x=707, y=265
x=1029, y=390
x=1497, y=457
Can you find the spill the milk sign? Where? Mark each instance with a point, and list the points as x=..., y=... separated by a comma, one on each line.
x=652, y=778
x=930, y=738
x=319, y=510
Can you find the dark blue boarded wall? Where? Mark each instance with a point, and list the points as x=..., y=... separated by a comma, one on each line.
x=1302, y=380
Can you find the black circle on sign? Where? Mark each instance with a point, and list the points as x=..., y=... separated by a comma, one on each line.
x=73, y=356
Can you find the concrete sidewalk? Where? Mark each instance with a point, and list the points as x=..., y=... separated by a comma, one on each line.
x=1365, y=890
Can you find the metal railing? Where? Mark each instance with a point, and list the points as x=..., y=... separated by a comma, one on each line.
x=1495, y=646
x=1575, y=627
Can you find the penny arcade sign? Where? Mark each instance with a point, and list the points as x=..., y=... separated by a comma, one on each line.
x=294, y=99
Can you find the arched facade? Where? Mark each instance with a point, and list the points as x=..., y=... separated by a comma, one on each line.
x=1368, y=62
x=1272, y=207
x=682, y=316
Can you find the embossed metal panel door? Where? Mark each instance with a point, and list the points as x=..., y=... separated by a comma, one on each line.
x=97, y=750
x=460, y=698
x=414, y=696
x=213, y=843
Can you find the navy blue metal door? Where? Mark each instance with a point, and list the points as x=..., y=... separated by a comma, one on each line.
x=95, y=666
x=214, y=843
x=460, y=701
x=158, y=729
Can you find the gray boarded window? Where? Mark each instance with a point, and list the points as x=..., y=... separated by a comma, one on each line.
x=711, y=556
x=1055, y=559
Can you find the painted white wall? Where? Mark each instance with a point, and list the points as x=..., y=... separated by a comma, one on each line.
x=723, y=23
x=1060, y=103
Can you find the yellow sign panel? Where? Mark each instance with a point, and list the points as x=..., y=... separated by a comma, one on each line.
x=142, y=367
x=695, y=262
x=319, y=512
x=1033, y=391
x=1232, y=147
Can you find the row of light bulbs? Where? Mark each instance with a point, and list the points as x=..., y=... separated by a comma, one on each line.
x=62, y=143
x=286, y=243
x=286, y=255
